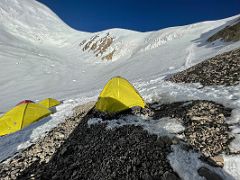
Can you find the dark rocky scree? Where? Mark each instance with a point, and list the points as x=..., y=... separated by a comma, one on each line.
x=223, y=69
x=205, y=130
x=93, y=152
x=128, y=152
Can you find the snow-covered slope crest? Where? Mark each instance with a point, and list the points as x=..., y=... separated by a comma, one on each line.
x=29, y=20
x=115, y=44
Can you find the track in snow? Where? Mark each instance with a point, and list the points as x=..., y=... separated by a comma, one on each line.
x=190, y=54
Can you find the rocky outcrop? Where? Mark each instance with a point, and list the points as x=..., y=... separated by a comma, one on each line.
x=223, y=69
x=228, y=34
x=100, y=46
x=206, y=130
x=109, y=56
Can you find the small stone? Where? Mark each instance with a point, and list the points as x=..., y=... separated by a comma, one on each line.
x=209, y=175
x=147, y=177
x=217, y=161
x=175, y=140
x=60, y=135
x=64, y=149
x=169, y=176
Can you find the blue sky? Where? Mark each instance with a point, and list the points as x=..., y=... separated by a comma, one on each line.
x=140, y=15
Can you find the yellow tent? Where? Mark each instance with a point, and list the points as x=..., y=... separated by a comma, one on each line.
x=49, y=102
x=118, y=95
x=21, y=116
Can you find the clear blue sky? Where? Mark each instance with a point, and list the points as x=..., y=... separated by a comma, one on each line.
x=140, y=15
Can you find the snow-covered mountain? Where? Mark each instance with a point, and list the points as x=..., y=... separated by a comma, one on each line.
x=40, y=56
x=31, y=22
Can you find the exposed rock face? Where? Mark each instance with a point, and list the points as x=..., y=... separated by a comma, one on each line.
x=100, y=46
x=109, y=56
x=223, y=69
x=229, y=33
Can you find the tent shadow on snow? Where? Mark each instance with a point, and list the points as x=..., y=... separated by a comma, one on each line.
x=16, y=141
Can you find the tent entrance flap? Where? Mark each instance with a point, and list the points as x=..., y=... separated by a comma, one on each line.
x=118, y=95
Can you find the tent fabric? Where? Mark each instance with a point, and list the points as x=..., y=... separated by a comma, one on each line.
x=21, y=116
x=118, y=95
x=25, y=102
x=49, y=102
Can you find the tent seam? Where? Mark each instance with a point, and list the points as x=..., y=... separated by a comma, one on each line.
x=24, y=114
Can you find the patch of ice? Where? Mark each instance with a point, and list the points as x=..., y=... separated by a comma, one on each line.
x=168, y=92
x=235, y=144
x=235, y=129
x=232, y=166
x=94, y=121
x=160, y=127
x=187, y=163
x=171, y=68
x=235, y=117
x=234, y=121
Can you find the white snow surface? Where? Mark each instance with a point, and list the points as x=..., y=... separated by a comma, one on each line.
x=40, y=57
x=162, y=127
x=186, y=164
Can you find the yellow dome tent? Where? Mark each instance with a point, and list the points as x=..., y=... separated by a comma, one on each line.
x=49, y=102
x=118, y=95
x=21, y=116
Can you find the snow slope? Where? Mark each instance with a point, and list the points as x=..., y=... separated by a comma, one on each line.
x=40, y=57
